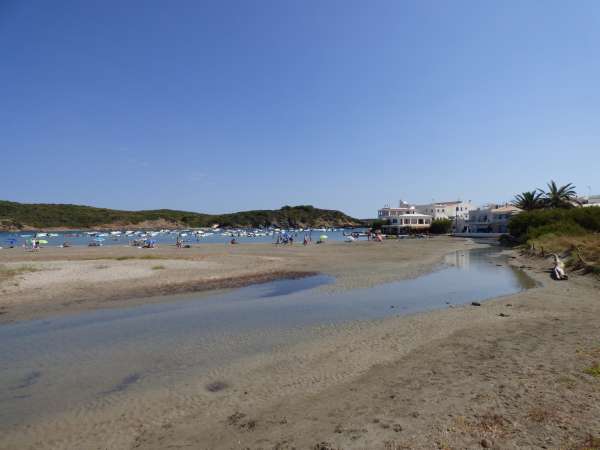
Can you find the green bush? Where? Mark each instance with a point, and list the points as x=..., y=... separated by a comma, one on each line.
x=378, y=224
x=441, y=226
x=561, y=222
x=562, y=228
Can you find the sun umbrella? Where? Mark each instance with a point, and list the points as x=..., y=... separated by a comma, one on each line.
x=323, y=237
x=42, y=241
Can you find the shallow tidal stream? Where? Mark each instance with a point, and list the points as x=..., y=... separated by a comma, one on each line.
x=63, y=363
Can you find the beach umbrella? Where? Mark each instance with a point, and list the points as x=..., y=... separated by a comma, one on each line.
x=323, y=237
x=42, y=241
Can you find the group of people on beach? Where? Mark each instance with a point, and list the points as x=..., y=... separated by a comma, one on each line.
x=284, y=239
x=288, y=239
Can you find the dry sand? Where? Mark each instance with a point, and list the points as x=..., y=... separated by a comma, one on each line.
x=67, y=280
x=508, y=374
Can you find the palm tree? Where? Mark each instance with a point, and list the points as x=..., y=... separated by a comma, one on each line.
x=560, y=197
x=529, y=200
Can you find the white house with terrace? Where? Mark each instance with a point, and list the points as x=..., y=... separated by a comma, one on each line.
x=457, y=211
x=388, y=212
x=447, y=210
x=409, y=222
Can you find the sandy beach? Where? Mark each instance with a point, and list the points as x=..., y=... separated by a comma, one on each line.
x=511, y=373
x=292, y=225
x=66, y=280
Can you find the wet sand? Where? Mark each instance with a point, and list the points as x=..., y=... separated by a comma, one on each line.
x=507, y=374
x=69, y=280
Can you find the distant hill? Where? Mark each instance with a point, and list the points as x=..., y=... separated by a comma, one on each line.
x=27, y=216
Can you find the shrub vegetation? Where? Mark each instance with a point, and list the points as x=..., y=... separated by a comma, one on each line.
x=441, y=226
x=561, y=222
x=552, y=223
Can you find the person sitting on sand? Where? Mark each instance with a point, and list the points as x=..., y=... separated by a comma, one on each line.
x=233, y=241
x=559, y=268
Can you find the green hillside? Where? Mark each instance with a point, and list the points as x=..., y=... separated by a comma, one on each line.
x=41, y=215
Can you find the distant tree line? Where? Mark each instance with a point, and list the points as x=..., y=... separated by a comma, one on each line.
x=41, y=215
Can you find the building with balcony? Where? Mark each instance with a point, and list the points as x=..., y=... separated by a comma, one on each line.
x=411, y=222
x=387, y=212
x=491, y=218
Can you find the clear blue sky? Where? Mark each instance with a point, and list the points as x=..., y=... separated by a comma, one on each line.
x=223, y=106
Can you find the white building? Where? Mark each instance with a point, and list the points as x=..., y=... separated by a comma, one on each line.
x=409, y=222
x=457, y=211
x=447, y=210
x=491, y=218
x=388, y=212
x=592, y=200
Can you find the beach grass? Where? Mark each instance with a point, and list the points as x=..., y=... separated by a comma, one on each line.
x=582, y=252
x=127, y=257
x=7, y=272
x=124, y=258
x=573, y=233
x=593, y=371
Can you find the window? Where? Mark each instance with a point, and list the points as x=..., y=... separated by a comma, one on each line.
x=421, y=222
